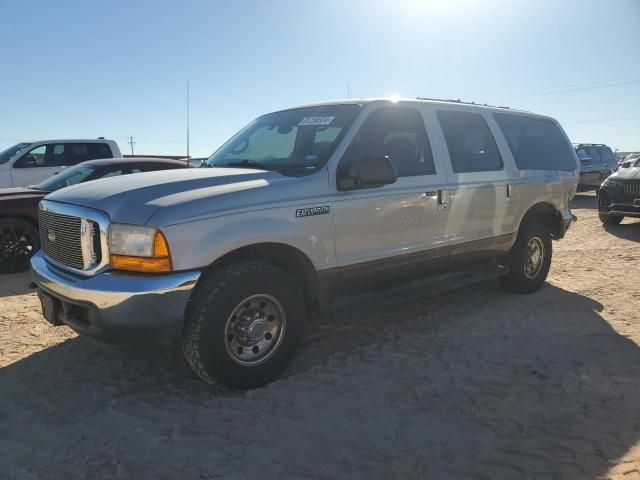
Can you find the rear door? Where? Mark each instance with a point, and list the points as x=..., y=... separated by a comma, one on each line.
x=396, y=226
x=481, y=217
x=78, y=152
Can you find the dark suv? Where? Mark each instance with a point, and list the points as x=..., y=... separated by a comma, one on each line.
x=597, y=162
x=619, y=194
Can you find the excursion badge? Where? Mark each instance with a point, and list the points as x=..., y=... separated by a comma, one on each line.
x=309, y=212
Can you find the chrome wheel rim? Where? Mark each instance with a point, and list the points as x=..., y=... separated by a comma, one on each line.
x=255, y=330
x=534, y=258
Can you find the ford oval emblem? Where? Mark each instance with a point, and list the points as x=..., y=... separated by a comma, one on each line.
x=51, y=235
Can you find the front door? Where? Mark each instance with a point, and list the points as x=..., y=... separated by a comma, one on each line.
x=399, y=225
x=38, y=163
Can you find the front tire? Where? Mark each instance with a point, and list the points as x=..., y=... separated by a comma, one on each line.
x=19, y=240
x=607, y=219
x=530, y=258
x=243, y=324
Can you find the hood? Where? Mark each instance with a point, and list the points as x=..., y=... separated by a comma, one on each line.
x=631, y=173
x=181, y=194
x=20, y=192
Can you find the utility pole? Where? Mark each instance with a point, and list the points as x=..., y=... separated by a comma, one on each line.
x=188, y=157
x=131, y=142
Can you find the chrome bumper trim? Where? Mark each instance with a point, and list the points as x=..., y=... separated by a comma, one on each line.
x=116, y=299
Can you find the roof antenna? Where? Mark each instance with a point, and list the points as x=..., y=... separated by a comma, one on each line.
x=188, y=157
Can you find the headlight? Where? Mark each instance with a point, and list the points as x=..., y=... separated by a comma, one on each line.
x=138, y=248
x=608, y=182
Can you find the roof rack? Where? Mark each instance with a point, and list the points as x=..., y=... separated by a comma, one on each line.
x=457, y=100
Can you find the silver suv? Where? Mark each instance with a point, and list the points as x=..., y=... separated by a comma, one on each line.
x=300, y=206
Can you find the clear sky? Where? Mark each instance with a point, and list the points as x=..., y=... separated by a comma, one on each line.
x=118, y=68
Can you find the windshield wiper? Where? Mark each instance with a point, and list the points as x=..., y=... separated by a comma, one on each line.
x=244, y=164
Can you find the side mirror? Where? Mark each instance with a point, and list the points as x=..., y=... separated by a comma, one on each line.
x=27, y=161
x=367, y=172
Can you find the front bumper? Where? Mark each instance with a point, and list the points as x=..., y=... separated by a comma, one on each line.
x=612, y=201
x=115, y=306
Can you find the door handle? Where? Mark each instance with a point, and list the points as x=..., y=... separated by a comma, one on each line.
x=443, y=199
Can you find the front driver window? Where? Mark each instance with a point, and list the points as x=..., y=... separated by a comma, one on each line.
x=51, y=155
x=36, y=157
x=398, y=133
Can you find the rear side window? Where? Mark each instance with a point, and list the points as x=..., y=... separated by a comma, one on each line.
x=471, y=145
x=398, y=133
x=81, y=152
x=78, y=152
x=536, y=143
x=99, y=150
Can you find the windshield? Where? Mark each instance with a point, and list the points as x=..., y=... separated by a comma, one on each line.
x=5, y=155
x=295, y=142
x=69, y=176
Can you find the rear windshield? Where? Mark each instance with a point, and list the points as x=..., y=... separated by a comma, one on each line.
x=536, y=143
x=589, y=154
x=69, y=176
x=293, y=142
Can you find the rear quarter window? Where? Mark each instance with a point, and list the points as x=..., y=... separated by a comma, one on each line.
x=536, y=143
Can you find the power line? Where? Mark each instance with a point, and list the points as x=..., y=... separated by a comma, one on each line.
x=579, y=89
x=604, y=120
x=586, y=84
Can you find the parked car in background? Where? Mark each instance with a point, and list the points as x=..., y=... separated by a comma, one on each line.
x=619, y=194
x=197, y=161
x=31, y=162
x=597, y=162
x=19, y=237
x=301, y=205
x=629, y=160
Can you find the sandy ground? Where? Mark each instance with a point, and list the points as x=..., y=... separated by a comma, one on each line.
x=412, y=383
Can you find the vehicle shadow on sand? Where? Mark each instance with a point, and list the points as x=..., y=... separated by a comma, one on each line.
x=15, y=284
x=629, y=230
x=407, y=383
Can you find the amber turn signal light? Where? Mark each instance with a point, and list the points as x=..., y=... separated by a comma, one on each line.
x=160, y=262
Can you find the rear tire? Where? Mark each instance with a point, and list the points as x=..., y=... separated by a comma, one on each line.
x=607, y=219
x=19, y=240
x=530, y=258
x=243, y=324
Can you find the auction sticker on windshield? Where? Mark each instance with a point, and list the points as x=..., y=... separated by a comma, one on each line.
x=316, y=121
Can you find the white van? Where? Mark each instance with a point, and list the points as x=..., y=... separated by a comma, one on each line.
x=31, y=162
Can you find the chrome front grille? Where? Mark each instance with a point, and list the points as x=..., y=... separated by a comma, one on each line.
x=632, y=189
x=74, y=237
x=60, y=236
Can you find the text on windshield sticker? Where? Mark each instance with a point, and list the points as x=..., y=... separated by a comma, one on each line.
x=316, y=121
